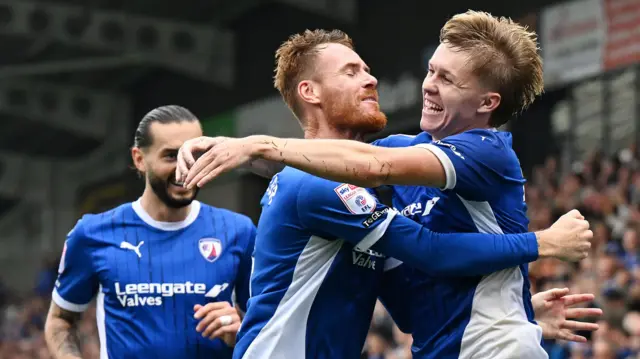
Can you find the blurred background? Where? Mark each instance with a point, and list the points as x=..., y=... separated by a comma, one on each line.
x=76, y=76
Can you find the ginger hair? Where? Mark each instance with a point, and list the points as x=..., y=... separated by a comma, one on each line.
x=295, y=61
x=505, y=56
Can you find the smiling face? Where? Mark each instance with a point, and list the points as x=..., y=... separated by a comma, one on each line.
x=158, y=161
x=453, y=98
x=346, y=90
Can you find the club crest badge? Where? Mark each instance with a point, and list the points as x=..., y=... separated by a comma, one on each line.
x=210, y=248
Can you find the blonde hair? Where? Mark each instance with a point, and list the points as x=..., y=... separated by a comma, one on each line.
x=294, y=61
x=505, y=57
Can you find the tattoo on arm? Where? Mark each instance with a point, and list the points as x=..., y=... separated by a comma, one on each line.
x=61, y=333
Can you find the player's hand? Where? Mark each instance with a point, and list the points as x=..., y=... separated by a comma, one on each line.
x=218, y=320
x=223, y=157
x=553, y=314
x=569, y=238
x=190, y=151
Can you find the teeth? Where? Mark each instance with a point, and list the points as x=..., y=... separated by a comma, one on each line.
x=433, y=106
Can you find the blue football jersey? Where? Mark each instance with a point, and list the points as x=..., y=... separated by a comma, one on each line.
x=148, y=275
x=312, y=294
x=318, y=265
x=488, y=316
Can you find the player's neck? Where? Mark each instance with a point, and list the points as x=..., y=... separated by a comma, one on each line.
x=318, y=128
x=159, y=211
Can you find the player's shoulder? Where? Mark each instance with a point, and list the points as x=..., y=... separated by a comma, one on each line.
x=92, y=222
x=485, y=145
x=239, y=219
x=399, y=140
x=488, y=139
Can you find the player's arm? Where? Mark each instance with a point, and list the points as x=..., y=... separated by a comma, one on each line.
x=336, y=210
x=339, y=160
x=355, y=162
x=192, y=149
x=61, y=333
x=75, y=288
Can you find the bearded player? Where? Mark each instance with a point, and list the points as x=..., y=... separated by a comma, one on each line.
x=337, y=101
x=163, y=268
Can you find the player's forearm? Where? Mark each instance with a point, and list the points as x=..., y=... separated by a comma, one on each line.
x=264, y=168
x=457, y=254
x=61, y=333
x=338, y=160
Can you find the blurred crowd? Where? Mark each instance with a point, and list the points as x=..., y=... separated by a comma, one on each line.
x=605, y=189
x=22, y=320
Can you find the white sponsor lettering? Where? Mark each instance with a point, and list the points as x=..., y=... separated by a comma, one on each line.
x=362, y=260
x=151, y=294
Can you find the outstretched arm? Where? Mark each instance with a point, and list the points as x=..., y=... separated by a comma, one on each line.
x=338, y=160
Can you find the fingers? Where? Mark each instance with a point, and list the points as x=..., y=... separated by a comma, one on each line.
x=197, y=168
x=184, y=156
x=555, y=293
x=583, y=312
x=227, y=329
x=202, y=311
x=579, y=326
x=211, y=321
x=220, y=320
x=569, y=336
x=199, y=172
x=574, y=213
x=210, y=176
x=573, y=299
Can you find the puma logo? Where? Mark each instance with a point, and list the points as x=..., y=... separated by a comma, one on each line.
x=129, y=246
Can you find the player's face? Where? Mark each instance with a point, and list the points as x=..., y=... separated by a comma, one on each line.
x=453, y=98
x=160, y=161
x=348, y=92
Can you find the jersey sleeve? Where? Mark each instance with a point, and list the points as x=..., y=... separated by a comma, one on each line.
x=243, y=281
x=77, y=282
x=472, y=163
x=334, y=210
x=394, y=141
x=395, y=295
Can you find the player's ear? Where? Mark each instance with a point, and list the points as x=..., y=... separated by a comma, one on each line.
x=309, y=91
x=490, y=101
x=138, y=159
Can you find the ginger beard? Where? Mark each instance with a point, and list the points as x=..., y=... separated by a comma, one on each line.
x=361, y=114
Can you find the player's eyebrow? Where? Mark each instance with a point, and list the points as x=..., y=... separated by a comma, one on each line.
x=443, y=71
x=355, y=66
x=170, y=150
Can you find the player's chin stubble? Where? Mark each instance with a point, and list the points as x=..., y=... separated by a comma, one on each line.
x=354, y=118
x=161, y=188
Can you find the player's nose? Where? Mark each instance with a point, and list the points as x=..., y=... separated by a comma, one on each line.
x=370, y=81
x=428, y=85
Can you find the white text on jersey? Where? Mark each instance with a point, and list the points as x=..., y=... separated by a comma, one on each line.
x=135, y=294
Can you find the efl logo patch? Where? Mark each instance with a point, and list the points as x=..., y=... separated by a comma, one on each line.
x=210, y=248
x=356, y=199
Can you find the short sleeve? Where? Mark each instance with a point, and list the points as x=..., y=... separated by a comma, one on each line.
x=77, y=282
x=341, y=210
x=475, y=163
x=394, y=141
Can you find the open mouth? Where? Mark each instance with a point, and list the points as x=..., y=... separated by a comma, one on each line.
x=371, y=99
x=172, y=181
x=432, y=108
